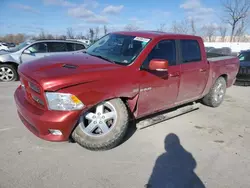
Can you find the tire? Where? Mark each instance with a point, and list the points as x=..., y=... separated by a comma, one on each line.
x=102, y=141
x=216, y=94
x=8, y=73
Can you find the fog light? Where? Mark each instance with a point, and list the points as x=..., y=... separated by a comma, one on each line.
x=55, y=132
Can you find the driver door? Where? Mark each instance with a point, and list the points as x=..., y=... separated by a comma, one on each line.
x=159, y=89
x=35, y=51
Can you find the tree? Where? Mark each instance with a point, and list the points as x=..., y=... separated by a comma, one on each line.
x=239, y=34
x=70, y=33
x=193, y=27
x=91, y=34
x=236, y=11
x=80, y=36
x=180, y=27
x=223, y=33
x=162, y=27
x=209, y=32
x=131, y=27
x=105, y=30
x=97, y=33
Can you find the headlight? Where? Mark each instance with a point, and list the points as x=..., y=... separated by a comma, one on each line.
x=63, y=101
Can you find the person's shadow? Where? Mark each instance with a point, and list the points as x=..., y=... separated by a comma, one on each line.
x=175, y=168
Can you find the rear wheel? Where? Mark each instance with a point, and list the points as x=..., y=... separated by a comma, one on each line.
x=216, y=94
x=8, y=73
x=103, y=127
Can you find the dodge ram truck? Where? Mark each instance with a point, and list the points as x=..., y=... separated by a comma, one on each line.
x=92, y=96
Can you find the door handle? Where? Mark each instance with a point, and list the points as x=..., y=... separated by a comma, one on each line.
x=203, y=70
x=176, y=74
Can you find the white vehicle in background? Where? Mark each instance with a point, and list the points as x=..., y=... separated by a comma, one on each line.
x=27, y=51
x=4, y=46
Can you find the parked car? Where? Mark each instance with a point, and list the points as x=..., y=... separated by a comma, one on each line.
x=243, y=76
x=4, y=46
x=11, y=45
x=10, y=59
x=92, y=96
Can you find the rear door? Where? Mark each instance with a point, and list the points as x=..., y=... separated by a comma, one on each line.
x=194, y=71
x=37, y=50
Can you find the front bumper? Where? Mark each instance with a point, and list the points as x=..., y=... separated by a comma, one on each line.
x=40, y=121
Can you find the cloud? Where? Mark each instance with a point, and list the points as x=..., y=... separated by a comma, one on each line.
x=25, y=8
x=113, y=9
x=97, y=19
x=195, y=10
x=191, y=4
x=80, y=12
x=63, y=3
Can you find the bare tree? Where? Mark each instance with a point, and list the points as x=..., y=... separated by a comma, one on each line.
x=162, y=27
x=209, y=32
x=97, y=33
x=105, y=30
x=80, y=36
x=239, y=33
x=91, y=34
x=235, y=12
x=223, y=33
x=70, y=33
x=131, y=27
x=193, y=27
x=41, y=35
x=180, y=27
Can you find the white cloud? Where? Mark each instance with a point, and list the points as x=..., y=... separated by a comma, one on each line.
x=80, y=12
x=113, y=9
x=91, y=4
x=63, y=3
x=25, y=8
x=97, y=20
x=191, y=4
x=195, y=10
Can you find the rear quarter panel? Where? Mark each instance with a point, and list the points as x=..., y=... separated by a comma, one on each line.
x=227, y=67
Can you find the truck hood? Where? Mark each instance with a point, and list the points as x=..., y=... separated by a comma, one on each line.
x=56, y=72
x=245, y=64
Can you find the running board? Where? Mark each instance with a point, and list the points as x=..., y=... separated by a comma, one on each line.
x=168, y=115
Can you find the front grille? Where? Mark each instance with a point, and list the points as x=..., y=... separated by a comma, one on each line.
x=37, y=99
x=244, y=70
x=33, y=92
x=34, y=87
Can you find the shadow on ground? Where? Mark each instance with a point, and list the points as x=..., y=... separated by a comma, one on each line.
x=174, y=168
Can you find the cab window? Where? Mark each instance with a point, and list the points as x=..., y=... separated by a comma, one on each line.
x=38, y=48
x=165, y=49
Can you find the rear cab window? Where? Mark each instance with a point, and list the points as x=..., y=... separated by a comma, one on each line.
x=190, y=50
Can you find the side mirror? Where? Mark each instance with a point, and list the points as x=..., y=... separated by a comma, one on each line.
x=158, y=65
x=27, y=51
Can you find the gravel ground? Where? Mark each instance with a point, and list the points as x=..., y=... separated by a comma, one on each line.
x=214, y=151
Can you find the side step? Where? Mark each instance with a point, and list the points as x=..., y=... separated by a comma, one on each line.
x=168, y=115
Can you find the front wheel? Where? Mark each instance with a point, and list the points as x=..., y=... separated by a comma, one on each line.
x=8, y=73
x=103, y=127
x=216, y=94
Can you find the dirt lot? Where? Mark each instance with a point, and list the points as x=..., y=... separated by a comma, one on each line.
x=217, y=139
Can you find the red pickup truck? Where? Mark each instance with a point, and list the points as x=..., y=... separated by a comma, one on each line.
x=92, y=96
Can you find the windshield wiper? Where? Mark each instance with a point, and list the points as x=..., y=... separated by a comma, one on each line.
x=101, y=57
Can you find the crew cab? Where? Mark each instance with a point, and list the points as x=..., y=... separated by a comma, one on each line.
x=92, y=96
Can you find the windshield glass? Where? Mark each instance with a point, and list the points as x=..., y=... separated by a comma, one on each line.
x=122, y=49
x=19, y=47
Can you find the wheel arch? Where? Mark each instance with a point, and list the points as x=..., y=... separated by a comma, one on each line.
x=10, y=63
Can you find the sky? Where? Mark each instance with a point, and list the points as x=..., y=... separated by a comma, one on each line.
x=55, y=16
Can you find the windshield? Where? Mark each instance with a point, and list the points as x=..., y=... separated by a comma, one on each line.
x=19, y=47
x=121, y=49
x=244, y=56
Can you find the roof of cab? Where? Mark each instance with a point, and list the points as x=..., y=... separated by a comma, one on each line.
x=152, y=34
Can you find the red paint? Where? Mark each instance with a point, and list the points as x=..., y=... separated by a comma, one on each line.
x=95, y=80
